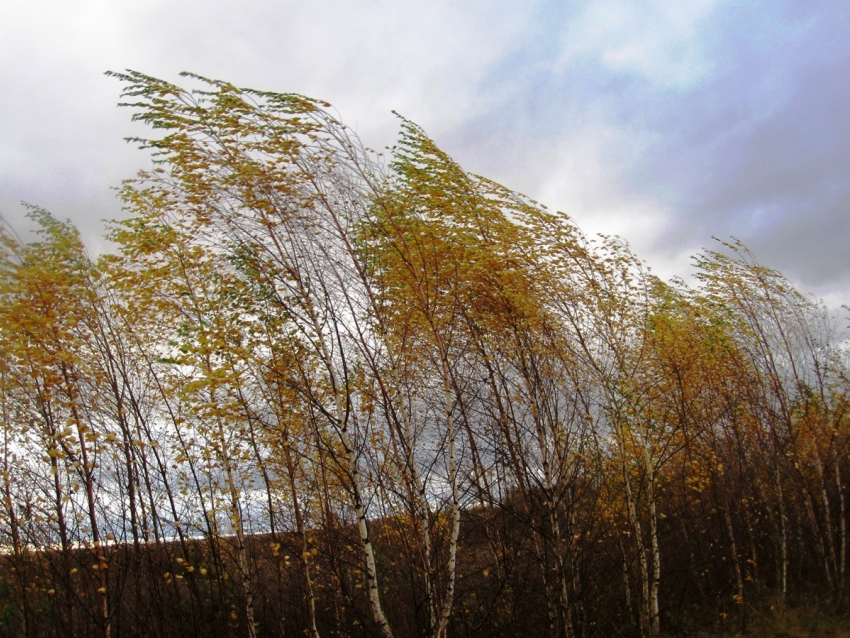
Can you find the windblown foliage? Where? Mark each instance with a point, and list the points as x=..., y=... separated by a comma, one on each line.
x=314, y=391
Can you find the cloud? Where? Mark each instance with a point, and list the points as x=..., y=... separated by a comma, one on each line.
x=663, y=122
x=655, y=40
x=759, y=151
x=61, y=136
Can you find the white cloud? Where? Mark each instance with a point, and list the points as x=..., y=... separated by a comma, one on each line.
x=580, y=177
x=656, y=39
x=61, y=135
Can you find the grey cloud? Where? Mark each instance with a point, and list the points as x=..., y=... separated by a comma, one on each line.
x=61, y=136
x=764, y=155
x=748, y=137
x=757, y=147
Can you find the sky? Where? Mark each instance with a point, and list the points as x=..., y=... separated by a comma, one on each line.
x=667, y=123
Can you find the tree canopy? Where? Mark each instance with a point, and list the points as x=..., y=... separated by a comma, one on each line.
x=318, y=390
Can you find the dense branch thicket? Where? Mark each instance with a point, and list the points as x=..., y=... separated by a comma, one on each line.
x=316, y=391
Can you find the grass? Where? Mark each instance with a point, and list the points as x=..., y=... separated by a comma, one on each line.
x=814, y=619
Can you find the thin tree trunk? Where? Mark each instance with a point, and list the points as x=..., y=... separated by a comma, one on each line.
x=783, y=538
x=88, y=479
x=645, y=607
x=736, y=561
x=236, y=517
x=655, y=617
x=357, y=492
x=448, y=601
x=842, y=530
x=17, y=551
x=829, y=537
x=302, y=534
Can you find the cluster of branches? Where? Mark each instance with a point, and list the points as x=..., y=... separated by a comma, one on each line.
x=316, y=391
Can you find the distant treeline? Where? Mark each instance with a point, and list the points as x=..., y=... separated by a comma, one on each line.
x=319, y=391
